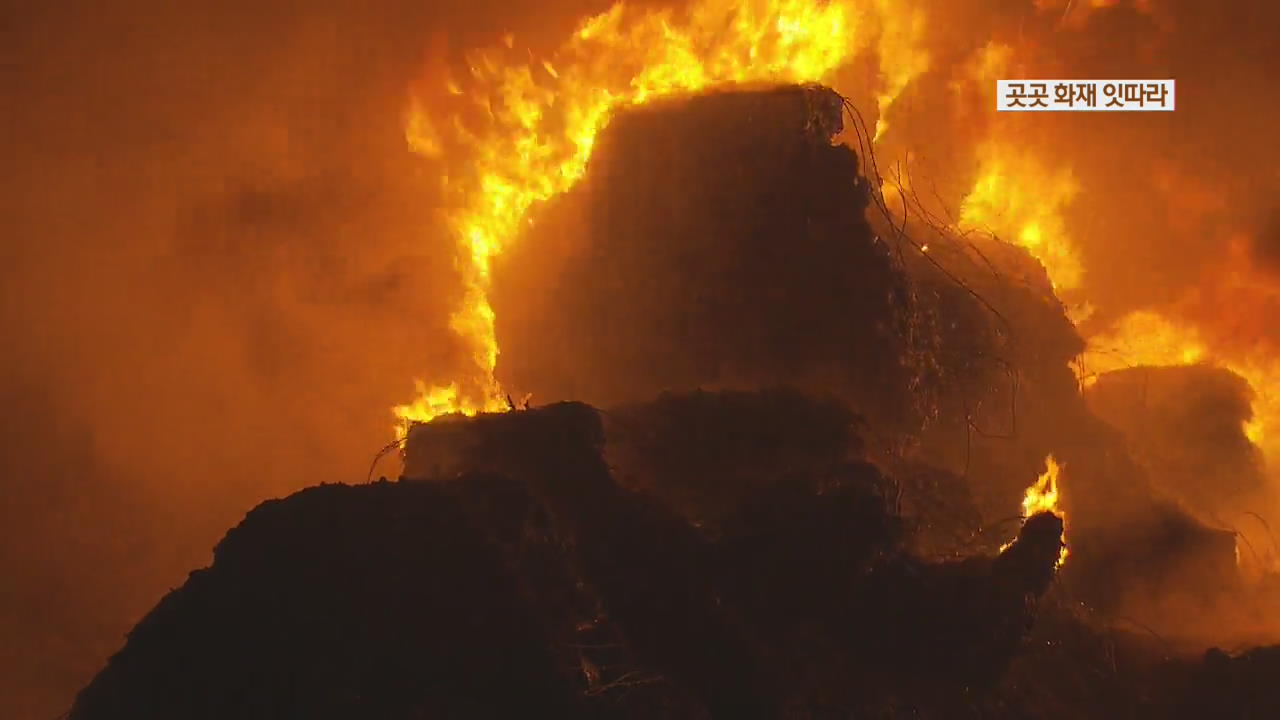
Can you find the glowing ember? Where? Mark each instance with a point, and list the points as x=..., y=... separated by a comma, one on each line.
x=541, y=119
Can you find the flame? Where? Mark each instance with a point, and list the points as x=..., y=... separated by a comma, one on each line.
x=1143, y=338
x=1042, y=496
x=524, y=128
x=900, y=38
x=1019, y=200
x=1015, y=196
x=1146, y=338
x=540, y=119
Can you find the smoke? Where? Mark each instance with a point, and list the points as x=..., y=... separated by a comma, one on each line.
x=221, y=269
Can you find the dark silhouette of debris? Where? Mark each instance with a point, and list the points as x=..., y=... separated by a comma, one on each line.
x=536, y=583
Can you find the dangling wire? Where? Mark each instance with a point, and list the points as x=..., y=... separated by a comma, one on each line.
x=867, y=150
x=877, y=196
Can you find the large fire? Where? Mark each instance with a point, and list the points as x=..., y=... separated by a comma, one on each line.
x=524, y=127
x=540, y=119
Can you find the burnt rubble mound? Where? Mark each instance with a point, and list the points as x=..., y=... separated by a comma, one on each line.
x=523, y=578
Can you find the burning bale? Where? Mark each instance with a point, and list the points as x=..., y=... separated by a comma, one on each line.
x=1005, y=398
x=380, y=600
x=944, y=517
x=1185, y=425
x=716, y=241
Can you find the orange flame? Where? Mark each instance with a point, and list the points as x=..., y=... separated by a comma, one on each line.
x=1142, y=339
x=540, y=118
x=543, y=116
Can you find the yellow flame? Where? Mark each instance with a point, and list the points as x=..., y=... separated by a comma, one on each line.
x=1020, y=201
x=901, y=38
x=542, y=118
x=991, y=63
x=1042, y=496
x=420, y=133
x=1147, y=338
x=1264, y=377
x=1143, y=338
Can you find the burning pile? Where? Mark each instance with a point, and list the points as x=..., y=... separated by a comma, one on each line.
x=515, y=130
x=749, y=552
x=776, y=584
x=533, y=126
x=858, y=392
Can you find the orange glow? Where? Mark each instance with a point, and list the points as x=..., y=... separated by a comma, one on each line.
x=542, y=117
x=900, y=39
x=1263, y=376
x=1142, y=339
x=1149, y=339
x=539, y=117
x=1042, y=496
x=1021, y=201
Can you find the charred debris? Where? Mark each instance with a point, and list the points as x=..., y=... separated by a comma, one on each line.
x=801, y=498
